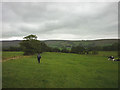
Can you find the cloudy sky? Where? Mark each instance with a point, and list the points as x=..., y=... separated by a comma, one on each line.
x=66, y=21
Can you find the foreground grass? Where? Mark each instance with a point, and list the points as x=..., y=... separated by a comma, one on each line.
x=60, y=70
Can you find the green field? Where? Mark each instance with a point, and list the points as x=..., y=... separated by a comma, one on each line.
x=60, y=70
x=6, y=55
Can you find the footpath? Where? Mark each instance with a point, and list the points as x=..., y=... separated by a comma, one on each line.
x=12, y=58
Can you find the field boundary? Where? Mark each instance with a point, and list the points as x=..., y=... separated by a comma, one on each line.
x=12, y=58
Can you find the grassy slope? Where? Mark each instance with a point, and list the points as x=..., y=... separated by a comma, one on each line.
x=64, y=43
x=7, y=44
x=61, y=70
x=61, y=43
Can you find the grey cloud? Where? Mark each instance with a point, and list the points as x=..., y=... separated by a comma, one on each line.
x=60, y=20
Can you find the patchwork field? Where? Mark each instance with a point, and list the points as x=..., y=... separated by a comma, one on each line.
x=60, y=70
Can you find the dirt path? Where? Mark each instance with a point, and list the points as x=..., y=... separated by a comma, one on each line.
x=12, y=58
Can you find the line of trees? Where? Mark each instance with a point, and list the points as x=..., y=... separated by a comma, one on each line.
x=30, y=45
x=12, y=49
x=113, y=47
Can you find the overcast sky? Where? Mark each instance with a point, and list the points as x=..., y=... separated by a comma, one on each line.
x=66, y=21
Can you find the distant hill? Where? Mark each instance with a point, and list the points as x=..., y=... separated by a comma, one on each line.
x=69, y=43
x=7, y=44
x=64, y=43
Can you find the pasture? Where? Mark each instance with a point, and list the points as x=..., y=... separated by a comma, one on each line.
x=6, y=55
x=60, y=70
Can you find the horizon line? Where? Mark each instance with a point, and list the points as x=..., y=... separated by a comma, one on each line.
x=67, y=39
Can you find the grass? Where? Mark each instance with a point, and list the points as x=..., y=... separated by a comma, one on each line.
x=9, y=54
x=61, y=70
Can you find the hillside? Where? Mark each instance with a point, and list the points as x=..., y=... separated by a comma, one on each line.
x=65, y=43
x=7, y=44
x=68, y=43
